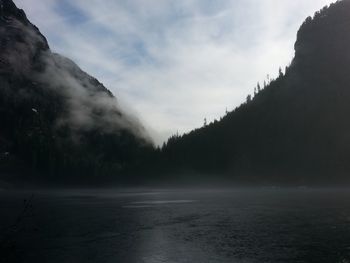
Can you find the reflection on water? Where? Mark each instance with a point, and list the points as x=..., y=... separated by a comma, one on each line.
x=163, y=202
x=254, y=225
x=150, y=204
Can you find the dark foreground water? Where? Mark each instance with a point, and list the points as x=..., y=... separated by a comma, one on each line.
x=256, y=225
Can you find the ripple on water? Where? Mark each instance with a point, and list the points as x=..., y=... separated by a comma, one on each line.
x=153, y=203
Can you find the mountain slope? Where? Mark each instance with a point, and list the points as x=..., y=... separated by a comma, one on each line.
x=294, y=130
x=56, y=120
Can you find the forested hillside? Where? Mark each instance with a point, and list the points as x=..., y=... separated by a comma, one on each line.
x=295, y=129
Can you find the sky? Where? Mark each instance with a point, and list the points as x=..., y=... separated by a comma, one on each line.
x=174, y=62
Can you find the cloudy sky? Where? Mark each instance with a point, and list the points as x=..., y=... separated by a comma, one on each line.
x=174, y=62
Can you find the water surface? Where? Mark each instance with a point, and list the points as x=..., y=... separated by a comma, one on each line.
x=247, y=225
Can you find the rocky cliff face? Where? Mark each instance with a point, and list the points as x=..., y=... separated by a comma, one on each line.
x=21, y=42
x=323, y=42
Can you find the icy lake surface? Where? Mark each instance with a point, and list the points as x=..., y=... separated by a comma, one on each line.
x=251, y=225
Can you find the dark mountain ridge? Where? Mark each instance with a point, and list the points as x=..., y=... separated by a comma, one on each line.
x=56, y=120
x=296, y=129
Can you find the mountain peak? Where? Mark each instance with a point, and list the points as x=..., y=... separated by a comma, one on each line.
x=21, y=42
x=317, y=36
x=8, y=9
x=55, y=117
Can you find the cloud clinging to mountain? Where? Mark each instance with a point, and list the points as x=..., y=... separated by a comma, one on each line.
x=175, y=62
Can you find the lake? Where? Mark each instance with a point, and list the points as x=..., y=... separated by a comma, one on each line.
x=151, y=226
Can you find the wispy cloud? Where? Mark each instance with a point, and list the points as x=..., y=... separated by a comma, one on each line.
x=175, y=62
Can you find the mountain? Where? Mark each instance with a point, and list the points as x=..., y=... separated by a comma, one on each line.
x=294, y=130
x=58, y=122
